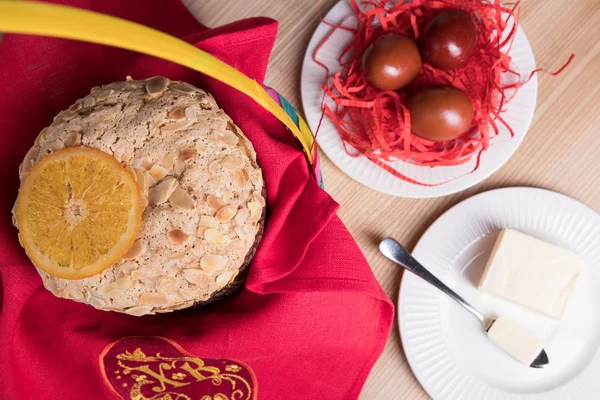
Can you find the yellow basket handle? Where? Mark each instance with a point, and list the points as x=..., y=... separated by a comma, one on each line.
x=72, y=23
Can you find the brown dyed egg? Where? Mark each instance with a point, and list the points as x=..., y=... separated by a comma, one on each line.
x=391, y=62
x=449, y=40
x=440, y=113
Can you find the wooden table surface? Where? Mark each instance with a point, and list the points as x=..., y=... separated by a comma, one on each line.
x=561, y=151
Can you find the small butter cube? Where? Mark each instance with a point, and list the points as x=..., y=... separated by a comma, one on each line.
x=517, y=341
x=531, y=272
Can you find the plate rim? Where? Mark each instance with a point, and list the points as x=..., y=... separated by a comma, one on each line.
x=403, y=281
x=437, y=191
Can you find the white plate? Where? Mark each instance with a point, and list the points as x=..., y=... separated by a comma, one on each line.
x=519, y=114
x=445, y=345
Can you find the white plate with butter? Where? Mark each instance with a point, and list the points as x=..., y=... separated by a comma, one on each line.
x=448, y=351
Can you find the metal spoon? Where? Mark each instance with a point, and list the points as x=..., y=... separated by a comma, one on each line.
x=398, y=254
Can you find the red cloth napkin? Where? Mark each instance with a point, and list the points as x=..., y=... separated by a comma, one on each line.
x=312, y=319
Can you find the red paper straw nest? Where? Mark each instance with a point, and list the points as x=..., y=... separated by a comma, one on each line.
x=376, y=123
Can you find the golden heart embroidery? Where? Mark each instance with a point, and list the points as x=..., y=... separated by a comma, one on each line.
x=156, y=368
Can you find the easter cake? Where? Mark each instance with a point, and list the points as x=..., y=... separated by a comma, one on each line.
x=198, y=190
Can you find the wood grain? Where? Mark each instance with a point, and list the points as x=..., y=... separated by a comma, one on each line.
x=561, y=151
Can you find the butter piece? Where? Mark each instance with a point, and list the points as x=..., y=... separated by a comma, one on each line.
x=531, y=272
x=517, y=341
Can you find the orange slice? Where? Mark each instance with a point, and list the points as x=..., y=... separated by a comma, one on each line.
x=79, y=211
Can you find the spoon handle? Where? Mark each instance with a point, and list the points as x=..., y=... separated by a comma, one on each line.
x=398, y=254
